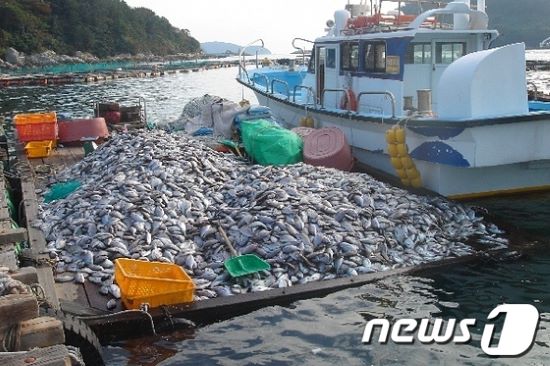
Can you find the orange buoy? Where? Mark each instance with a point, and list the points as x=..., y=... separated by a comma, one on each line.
x=349, y=101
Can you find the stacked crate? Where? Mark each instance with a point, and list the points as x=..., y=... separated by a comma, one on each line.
x=39, y=131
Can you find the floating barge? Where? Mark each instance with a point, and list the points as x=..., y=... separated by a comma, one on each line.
x=85, y=301
x=81, y=304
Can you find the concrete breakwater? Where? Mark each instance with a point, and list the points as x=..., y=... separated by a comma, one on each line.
x=161, y=197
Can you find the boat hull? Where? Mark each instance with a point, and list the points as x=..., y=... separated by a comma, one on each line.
x=479, y=160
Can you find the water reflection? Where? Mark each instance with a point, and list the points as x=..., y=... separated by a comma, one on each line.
x=329, y=330
x=166, y=96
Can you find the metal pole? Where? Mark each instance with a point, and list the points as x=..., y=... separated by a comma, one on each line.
x=399, y=12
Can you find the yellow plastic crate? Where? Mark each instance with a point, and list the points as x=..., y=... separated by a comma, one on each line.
x=39, y=149
x=33, y=118
x=154, y=283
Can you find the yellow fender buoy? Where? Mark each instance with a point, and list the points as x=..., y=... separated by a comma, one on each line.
x=400, y=159
x=307, y=121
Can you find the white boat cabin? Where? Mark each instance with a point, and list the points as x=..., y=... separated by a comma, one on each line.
x=464, y=104
x=377, y=64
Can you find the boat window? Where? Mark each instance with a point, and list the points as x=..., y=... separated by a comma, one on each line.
x=349, y=56
x=419, y=53
x=375, y=57
x=311, y=66
x=331, y=58
x=447, y=53
x=321, y=54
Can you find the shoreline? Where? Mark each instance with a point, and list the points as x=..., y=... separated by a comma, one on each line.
x=46, y=79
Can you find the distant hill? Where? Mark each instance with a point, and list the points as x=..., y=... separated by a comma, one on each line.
x=223, y=48
x=516, y=20
x=102, y=27
x=520, y=21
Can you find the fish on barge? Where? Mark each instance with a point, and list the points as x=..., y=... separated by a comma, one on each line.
x=82, y=297
x=465, y=125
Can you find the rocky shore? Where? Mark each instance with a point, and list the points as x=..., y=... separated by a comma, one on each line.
x=14, y=59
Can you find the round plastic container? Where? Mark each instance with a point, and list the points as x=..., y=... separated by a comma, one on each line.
x=82, y=130
x=328, y=147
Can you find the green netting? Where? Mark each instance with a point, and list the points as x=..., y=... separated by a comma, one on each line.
x=268, y=144
x=11, y=206
x=61, y=190
x=103, y=66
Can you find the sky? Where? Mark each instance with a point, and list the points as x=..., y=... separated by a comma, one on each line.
x=277, y=22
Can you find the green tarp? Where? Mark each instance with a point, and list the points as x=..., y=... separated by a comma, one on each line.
x=61, y=190
x=269, y=144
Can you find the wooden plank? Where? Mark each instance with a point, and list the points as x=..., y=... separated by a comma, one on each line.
x=12, y=235
x=79, y=309
x=36, y=239
x=40, y=332
x=51, y=356
x=15, y=309
x=9, y=259
x=27, y=275
x=96, y=300
x=71, y=291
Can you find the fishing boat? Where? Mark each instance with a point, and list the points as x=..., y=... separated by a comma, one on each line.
x=425, y=98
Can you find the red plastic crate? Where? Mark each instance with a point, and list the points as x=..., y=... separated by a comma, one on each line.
x=36, y=126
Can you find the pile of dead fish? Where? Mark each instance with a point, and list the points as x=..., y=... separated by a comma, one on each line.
x=161, y=197
x=10, y=286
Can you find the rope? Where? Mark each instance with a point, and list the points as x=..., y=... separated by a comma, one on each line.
x=167, y=315
x=38, y=291
x=40, y=261
x=75, y=355
x=107, y=316
x=12, y=339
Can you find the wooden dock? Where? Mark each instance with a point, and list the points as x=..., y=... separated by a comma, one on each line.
x=29, y=323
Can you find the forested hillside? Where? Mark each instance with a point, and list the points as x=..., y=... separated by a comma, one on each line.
x=520, y=20
x=102, y=27
x=516, y=20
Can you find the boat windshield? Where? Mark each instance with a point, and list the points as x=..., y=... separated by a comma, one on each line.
x=311, y=65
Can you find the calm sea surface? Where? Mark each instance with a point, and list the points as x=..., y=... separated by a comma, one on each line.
x=328, y=331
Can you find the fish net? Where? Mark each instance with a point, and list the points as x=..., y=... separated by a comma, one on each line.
x=269, y=144
x=61, y=190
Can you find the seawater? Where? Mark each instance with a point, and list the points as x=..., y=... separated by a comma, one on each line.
x=165, y=96
x=328, y=330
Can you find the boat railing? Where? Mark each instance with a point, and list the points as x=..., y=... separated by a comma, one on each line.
x=332, y=91
x=384, y=93
x=257, y=75
x=284, y=83
x=310, y=93
x=242, y=61
x=300, y=48
x=535, y=89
